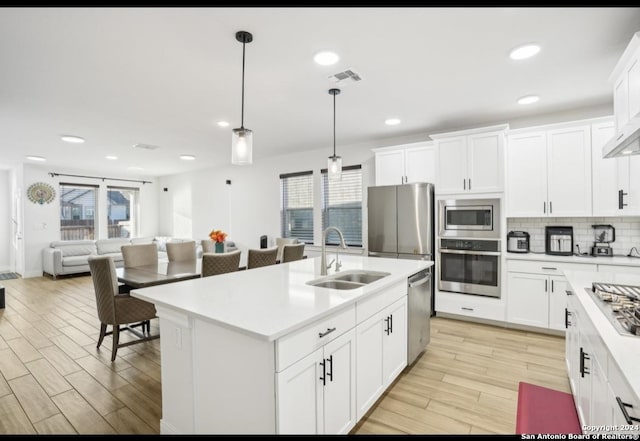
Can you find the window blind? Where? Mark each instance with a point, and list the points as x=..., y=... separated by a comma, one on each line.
x=122, y=211
x=342, y=206
x=77, y=211
x=296, y=206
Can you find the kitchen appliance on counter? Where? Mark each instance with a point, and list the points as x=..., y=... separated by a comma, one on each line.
x=559, y=241
x=518, y=242
x=401, y=226
x=620, y=304
x=469, y=218
x=603, y=236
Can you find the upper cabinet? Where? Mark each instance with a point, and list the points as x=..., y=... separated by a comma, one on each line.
x=470, y=161
x=549, y=172
x=626, y=84
x=404, y=164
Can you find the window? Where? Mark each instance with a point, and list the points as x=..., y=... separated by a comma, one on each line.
x=122, y=212
x=77, y=211
x=342, y=206
x=296, y=206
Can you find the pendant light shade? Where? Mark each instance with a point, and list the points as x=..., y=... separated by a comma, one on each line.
x=241, y=138
x=334, y=165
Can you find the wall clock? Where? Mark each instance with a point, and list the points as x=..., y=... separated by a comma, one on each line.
x=40, y=192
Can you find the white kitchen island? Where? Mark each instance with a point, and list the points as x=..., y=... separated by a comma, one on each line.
x=261, y=351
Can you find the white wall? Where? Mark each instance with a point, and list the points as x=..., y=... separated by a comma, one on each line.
x=5, y=221
x=42, y=222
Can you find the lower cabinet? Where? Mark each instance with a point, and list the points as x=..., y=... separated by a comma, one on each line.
x=381, y=353
x=536, y=300
x=315, y=394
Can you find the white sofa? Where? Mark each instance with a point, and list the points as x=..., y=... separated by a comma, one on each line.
x=72, y=256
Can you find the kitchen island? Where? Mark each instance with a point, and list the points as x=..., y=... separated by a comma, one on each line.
x=261, y=351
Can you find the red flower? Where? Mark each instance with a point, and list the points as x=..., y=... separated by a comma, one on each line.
x=218, y=235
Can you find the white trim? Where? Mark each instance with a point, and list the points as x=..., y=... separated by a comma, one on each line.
x=561, y=125
x=426, y=143
x=467, y=132
x=167, y=429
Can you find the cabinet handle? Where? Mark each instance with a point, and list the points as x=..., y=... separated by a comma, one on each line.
x=388, y=329
x=549, y=268
x=623, y=408
x=621, y=195
x=583, y=357
x=464, y=184
x=620, y=136
x=329, y=331
x=324, y=373
x=552, y=286
x=567, y=323
x=330, y=371
x=550, y=207
x=546, y=285
x=391, y=324
x=466, y=309
x=544, y=207
x=469, y=183
x=569, y=293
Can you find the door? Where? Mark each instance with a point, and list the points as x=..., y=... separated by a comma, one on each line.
x=569, y=171
x=370, y=380
x=485, y=163
x=633, y=198
x=415, y=218
x=420, y=164
x=621, y=102
x=601, y=412
x=390, y=167
x=605, y=184
x=557, y=302
x=470, y=272
x=633, y=86
x=452, y=165
x=394, y=343
x=382, y=219
x=528, y=302
x=584, y=380
x=340, y=384
x=418, y=313
x=299, y=396
x=571, y=347
x=526, y=190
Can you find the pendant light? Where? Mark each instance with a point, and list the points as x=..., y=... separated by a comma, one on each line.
x=241, y=138
x=334, y=165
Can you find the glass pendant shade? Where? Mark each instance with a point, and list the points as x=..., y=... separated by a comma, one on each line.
x=241, y=146
x=334, y=168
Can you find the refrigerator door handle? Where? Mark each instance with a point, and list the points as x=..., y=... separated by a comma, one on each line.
x=421, y=281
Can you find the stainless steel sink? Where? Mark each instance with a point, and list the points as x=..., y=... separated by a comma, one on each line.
x=351, y=279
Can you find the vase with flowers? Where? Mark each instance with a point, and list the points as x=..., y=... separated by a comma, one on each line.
x=218, y=236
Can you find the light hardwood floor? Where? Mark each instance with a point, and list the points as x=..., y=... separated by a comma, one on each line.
x=53, y=380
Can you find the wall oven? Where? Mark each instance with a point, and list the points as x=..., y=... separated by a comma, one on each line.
x=470, y=266
x=469, y=218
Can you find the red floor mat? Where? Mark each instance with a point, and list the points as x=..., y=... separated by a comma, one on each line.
x=544, y=410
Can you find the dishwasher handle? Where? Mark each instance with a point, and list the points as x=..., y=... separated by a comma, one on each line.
x=420, y=281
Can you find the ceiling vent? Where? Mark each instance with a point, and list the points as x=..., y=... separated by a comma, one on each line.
x=146, y=146
x=345, y=77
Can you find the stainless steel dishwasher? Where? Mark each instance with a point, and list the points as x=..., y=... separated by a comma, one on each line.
x=419, y=313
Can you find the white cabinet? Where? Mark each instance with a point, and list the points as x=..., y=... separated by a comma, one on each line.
x=537, y=292
x=628, y=180
x=549, y=172
x=316, y=394
x=470, y=161
x=381, y=343
x=405, y=164
x=626, y=84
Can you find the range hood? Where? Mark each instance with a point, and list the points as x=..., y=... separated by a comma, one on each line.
x=625, y=142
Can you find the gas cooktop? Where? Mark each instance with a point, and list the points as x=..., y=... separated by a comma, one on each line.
x=620, y=304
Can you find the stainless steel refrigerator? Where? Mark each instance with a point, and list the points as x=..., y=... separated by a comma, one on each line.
x=401, y=226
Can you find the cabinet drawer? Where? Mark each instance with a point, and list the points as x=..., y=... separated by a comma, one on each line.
x=549, y=268
x=620, y=388
x=376, y=302
x=298, y=344
x=619, y=269
x=470, y=305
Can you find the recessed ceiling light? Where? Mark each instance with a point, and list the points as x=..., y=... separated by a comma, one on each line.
x=223, y=123
x=529, y=99
x=524, y=51
x=111, y=157
x=392, y=121
x=627, y=152
x=72, y=139
x=36, y=158
x=135, y=167
x=326, y=58
x=187, y=157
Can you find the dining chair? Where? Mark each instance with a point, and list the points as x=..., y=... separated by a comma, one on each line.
x=281, y=242
x=261, y=257
x=292, y=252
x=220, y=263
x=208, y=246
x=139, y=255
x=118, y=309
x=181, y=251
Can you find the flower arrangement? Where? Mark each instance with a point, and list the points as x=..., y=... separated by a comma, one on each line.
x=218, y=236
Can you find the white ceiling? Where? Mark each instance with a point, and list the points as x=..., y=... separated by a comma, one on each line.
x=164, y=76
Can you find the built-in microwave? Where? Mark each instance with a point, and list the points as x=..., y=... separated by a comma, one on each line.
x=469, y=218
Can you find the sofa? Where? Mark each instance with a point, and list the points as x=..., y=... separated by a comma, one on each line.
x=72, y=256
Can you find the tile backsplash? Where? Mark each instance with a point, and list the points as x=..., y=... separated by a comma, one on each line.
x=627, y=231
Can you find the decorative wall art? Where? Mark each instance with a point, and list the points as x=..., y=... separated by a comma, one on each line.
x=41, y=192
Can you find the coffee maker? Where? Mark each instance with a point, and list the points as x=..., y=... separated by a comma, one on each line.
x=559, y=241
x=603, y=236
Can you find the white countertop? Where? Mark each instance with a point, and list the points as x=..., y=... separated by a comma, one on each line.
x=625, y=350
x=613, y=260
x=271, y=301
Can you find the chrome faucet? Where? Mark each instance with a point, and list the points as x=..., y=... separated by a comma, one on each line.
x=323, y=261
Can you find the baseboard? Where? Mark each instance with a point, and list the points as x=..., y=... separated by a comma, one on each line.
x=5, y=269
x=29, y=274
x=167, y=429
x=501, y=324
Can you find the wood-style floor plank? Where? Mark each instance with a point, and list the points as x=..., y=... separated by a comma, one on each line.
x=95, y=394
x=33, y=399
x=13, y=420
x=126, y=422
x=10, y=365
x=48, y=377
x=80, y=414
x=55, y=425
